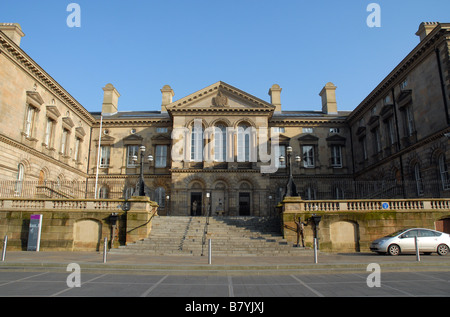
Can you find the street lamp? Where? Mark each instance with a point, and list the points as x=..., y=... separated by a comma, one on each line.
x=141, y=183
x=167, y=204
x=291, y=188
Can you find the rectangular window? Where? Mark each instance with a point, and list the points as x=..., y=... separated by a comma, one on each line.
x=336, y=156
x=308, y=156
x=161, y=130
x=76, y=153
x=409, y=121
x=161, y=156
x=29, y=121
x=404, y=84
x=364, y=147
x=308, y=130
x=390, y=129
x=444, y=172
x=278, y=130
x=280, y=151
x=132, y=150
x=105, y=154
x=335, y=130
x=377, y=140
x=49, y=133
x=419, y=180
x=64, y=139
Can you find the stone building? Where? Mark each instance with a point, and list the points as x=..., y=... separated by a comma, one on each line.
x=219, y=148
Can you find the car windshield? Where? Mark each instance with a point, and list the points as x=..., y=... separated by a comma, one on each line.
x=396, y=233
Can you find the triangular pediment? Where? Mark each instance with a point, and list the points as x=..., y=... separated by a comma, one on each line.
x=308, y=138
x=219, y=97
x=161, y=137
x=133, y=137
x=336, y=139
x=34, y=98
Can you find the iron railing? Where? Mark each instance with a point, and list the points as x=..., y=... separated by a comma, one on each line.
x=308, y=189
x=108, y=189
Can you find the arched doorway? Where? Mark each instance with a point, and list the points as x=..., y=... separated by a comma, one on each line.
x=245, y=194
x=219, y=201
x=196, y=199
x=344, y=236
x=41, y=178
x=87, y=235
x=443, y=225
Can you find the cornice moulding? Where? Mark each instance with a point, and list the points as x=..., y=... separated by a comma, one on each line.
x=15, y=53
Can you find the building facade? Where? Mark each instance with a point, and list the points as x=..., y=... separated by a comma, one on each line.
x=218, y=149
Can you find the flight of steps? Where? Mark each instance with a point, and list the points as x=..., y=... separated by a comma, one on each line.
x=230, y=236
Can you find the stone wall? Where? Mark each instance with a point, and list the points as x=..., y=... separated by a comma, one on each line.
x=70, y=225
x=349, y=226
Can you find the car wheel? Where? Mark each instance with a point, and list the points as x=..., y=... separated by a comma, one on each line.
x=394, y=249
x=442, y=249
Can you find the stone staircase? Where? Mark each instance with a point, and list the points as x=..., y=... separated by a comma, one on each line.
x=230, y=236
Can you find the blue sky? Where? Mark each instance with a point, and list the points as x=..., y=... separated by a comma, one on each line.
x=140, y=46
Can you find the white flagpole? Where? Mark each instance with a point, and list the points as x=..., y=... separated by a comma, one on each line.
x=98, y=153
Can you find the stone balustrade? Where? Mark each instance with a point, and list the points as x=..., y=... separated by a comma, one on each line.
x=76, y=224
x=367, y=205
x=350, y=225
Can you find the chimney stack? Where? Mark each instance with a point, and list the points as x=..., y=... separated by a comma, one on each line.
x=167, y=95
x=13, y=31
x=426, y=28
x=328, y=94
x=110, y=99
x=275, y=97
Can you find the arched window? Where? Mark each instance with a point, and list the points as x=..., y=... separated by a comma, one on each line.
x=243, y=140
x=338, y=193
x=103, y=192
x=443, y=171
x=129, y=192
x=220, y=143
x=160, y=195
x=418, y=179
x=19, y=179
x=197, y=143
x=310, y=193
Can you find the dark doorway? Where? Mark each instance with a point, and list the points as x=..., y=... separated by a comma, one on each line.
x=196, y=204
x=244, y=204
x=443, y=225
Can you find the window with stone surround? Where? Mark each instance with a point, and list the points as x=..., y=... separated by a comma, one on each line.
x=443, y=171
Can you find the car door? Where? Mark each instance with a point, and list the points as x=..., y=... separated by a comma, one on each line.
x=428, y=240
x=406, y=241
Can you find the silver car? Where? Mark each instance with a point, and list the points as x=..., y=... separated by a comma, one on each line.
x=403, y=242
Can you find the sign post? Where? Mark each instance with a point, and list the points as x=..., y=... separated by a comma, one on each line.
x=34, y=233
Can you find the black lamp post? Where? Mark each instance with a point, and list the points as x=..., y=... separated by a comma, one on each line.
x=291, y=188
x=315, y=220
x=141, y=183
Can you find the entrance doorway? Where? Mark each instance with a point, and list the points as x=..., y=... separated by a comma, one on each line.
x=244, y=204
x=443, y=225
x=196, y=204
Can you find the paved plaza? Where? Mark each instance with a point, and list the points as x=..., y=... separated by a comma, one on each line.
x=48, y=274
x=53, y=284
